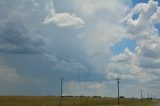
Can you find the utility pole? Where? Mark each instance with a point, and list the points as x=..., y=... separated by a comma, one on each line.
x=118, y=81
x=61, y=91
x=141, y=94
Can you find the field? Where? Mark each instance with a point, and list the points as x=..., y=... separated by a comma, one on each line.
x=70, y=101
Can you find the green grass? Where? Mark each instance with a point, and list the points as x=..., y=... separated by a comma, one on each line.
x=70, y=101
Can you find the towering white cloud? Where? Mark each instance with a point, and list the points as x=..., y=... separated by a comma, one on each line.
x=142, y=64
x=142, y=27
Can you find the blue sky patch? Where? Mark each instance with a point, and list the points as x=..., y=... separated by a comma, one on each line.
x=157, y=26
x=135, y=16
x=134, y=2
x=124, y=43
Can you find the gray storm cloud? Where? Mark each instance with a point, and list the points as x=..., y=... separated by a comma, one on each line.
x=18, y=28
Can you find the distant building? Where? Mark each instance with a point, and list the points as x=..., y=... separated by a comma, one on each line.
x=121, y=97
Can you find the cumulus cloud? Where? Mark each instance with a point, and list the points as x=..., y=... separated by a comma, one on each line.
x=142, y=27
x=142, y=64
x=145, y=32
x=127, y=56
x=64, y=20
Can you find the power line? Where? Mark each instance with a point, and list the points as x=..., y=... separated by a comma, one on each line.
x=141, y=94
x=118, y=81
x=61, y=91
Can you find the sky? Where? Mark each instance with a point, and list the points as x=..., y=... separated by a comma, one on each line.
x=87, y=42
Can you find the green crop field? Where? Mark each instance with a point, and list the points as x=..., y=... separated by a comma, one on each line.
x=70, y=101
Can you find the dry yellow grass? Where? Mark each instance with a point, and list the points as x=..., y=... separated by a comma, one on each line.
x=69, y=101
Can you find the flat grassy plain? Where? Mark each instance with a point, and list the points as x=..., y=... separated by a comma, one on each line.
x=70, y=101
